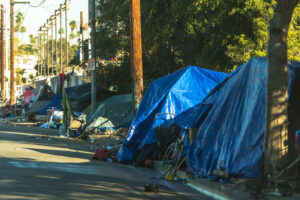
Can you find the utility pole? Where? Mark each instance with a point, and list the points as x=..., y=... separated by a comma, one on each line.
x=66, y=24
x=93, y=52
x=12, y=59
x=61, y=54
x=82, y=40
x=136, y=53
x=48, y=59
x=45, y=49
x=39, y=53
x=55, y=18
x=2, y=54
x=52, y=46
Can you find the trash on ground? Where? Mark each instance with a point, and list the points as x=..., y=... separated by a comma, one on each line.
x=151, y=188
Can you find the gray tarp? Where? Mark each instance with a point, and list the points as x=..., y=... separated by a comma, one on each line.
x=113, y=113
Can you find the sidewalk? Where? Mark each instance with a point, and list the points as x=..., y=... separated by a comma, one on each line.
x=220, y=191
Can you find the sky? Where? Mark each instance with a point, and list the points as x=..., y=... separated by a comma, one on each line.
x=36, y=17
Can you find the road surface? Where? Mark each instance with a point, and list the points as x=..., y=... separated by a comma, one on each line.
x=36, y=164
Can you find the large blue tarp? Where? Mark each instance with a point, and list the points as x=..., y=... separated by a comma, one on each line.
x=231, y=136
x=178, y=93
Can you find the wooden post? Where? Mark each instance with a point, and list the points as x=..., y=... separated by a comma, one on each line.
x=12, y=60
x=45, y=51
x=2, y=54
x=93, y=55
x=61, y=46
x=52, y=46
x=66, y=27
x=82, y=40
x=136, y=53
x=48, y=47
x=55, y=18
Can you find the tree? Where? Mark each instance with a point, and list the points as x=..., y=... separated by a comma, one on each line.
x=19, y=73
x=19, y=23
x=218, y=35
x=61, y=31
x=73, y=25
x=279, y=144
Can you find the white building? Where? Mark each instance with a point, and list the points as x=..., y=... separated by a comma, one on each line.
x=26, y=63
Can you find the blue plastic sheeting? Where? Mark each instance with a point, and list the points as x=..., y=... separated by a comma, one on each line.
x=54, y=103
x=177, y=93
x=231, y=136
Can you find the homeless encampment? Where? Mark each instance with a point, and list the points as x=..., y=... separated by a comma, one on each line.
x=114, y=113
x=177, y=93
x=231, y=137
x=79, y=96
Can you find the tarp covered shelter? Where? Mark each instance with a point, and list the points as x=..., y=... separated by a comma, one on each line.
x=231, y=137
x=115, y=112
x=79, y=96
x=43, y=98
x=55, y=103
x=46, y=93
x=176, y=93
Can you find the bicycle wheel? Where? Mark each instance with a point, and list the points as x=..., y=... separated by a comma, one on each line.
x=171, y=158
x=176, y=157
x=167, y=159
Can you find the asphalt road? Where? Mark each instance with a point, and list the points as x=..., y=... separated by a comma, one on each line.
x=35, y=164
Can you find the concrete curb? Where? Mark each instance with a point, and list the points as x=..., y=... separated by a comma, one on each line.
x=218, y=190
x=212, y=189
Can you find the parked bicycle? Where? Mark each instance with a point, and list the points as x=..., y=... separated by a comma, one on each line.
x=173, y=157
x=170, y=140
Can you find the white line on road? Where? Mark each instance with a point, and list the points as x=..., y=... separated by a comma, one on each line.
x=207, y=193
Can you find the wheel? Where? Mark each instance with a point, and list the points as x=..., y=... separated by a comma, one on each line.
x=167, y=158
x=177, y=156
x=171, y=158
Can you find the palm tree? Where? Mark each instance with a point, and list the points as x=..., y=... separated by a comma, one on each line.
x=73, y=25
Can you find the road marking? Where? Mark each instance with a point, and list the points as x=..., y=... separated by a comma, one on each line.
x=207, y=193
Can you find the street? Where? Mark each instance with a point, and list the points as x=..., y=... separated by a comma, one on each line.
x=36, y=164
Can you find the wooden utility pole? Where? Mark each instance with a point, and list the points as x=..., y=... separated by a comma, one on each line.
x=2, y=54
x=81, y=32
x=61, y=53
x=12, y=60
x=136, y=53
x=39, y=55
x=66, y=27
x=48, y=48
x=52, y=46
x=45, y=50
x=93, y=55
x=55, y=21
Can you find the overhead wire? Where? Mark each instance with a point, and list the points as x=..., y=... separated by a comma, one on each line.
x=8, y=18
x=25, y=15
x=35, y=6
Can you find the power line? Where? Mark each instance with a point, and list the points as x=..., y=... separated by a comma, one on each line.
x=35, y=6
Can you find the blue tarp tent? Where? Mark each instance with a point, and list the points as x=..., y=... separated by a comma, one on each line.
x=232, y=134
x=177, y=93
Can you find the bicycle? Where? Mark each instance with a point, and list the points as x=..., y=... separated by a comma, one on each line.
x=172, y=159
